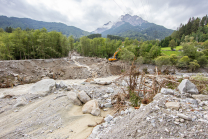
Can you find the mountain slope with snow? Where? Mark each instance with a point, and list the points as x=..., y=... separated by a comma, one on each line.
x=134, y=27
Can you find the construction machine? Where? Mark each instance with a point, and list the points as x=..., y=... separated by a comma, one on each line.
x=114, y=56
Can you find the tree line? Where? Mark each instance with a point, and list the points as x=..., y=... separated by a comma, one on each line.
x=196, y=29
x=33, y=44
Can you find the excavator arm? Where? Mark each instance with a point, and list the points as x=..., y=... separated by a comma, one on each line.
x=114, y=56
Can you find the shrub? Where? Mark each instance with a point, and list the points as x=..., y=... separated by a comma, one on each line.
x=202, y=61
x=193, y=65
x=205, y=52
x=162, y=60
x=173, y=59
x=140, y=60
x=134, y=99
x=183, y=62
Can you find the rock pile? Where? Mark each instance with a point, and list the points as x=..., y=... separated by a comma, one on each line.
x=171, y=114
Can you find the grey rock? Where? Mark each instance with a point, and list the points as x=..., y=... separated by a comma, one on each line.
x=173, y=105
x=2, y=95
x=95, y=112
x=122, y=112
x=181, y=120
x=108, y=118
x=43, y=87
x=186, y=76
x=95, y=132
x=83, y=96
x=192, y=101
x=126, y=111
x=109, y=90
x=20, y=101
x=62, y=85
x=187, y=86
x=73, y=97
x=131, y=109
x=104, y=83
x=57, y=85
x=184, y=116
x=105, y=96
x=166, y=91
x=91, y=107
x=201, y=97
x=68, y=88
x=108, y=105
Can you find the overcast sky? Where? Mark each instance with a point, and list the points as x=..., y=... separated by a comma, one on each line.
x=91, y=14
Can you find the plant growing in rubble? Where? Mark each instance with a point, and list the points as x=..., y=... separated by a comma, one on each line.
x=134, y=99
x=132, y=84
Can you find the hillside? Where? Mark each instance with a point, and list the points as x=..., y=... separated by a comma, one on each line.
x=146, y=31
x=24, y=23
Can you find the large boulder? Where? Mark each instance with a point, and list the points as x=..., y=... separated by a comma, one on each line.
x=83, y=96
x=43, y=87
x=91, y=107
x=187, y=86
x=73, y=97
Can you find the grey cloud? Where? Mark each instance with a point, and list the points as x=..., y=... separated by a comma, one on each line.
x=21, y=8
x=169, y=13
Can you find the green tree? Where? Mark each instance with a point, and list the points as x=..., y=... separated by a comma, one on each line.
x=172, y=44
x=154, y=52
x=126, y=55
x=71, y=42
x=127, y=42
x=189, y=50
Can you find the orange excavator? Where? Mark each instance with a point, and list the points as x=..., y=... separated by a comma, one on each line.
x=114, y=56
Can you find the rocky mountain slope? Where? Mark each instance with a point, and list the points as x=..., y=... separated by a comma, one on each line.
x=24, y=23
x=134, y=27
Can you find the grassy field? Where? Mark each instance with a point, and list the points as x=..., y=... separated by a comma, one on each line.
x=178, y=53
x=168, y=48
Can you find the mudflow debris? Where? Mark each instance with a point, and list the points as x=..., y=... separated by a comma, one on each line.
x=89, y=98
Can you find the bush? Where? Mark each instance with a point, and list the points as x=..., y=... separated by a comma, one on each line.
x=134, y=99
x=162, y=60
x=173, y=59
x=140, y=60
x=193, y=65
x=202, y=61
x=205, y=52
x=183, y=62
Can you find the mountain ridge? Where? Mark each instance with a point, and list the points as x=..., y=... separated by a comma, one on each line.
x=24, y=23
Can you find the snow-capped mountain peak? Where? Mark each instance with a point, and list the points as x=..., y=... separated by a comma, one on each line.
x=133, y=20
